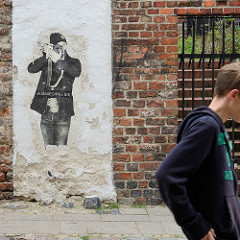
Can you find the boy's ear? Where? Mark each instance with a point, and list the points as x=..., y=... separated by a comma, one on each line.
x=233, y=94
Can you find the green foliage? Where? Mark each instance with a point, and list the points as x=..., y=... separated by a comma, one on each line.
x=138, y=206
x=85, y=237
x=218, y=43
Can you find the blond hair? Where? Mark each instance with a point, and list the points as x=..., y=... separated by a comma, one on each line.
x=228, y=79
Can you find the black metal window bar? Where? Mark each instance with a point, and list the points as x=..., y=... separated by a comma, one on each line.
x=205, y=45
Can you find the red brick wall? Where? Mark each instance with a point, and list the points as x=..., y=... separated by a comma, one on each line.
x=6, y=186
x=145, y=35
x=144, y=90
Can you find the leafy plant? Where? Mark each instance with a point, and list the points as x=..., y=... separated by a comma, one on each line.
x=218, y=36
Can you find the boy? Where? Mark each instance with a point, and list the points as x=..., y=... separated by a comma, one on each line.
x=197, y=179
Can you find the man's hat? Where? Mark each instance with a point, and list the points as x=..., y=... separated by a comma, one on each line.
x=56, y=38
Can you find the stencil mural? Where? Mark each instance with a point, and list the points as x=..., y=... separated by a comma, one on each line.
x=53, y=97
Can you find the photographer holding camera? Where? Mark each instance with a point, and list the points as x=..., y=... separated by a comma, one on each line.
x=53, y=98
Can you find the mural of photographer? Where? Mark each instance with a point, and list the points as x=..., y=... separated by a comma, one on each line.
x=53, y=97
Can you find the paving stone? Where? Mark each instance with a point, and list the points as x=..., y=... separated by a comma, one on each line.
x=77, y=217
x=47, y=227
x=111, y=228
x=132, y=211
x=72, y=227
x=16, y=227
x=158, y=211
x=125, y=218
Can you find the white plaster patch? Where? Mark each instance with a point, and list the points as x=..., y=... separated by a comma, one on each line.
x=84, y=165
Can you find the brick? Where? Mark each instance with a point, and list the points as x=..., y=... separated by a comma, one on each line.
x=138, y=122
x=234, y=3
x=142, y=131
x=133, y=5
x=133, y=49
x=169, y=113
x=217, y=11
x=205, y=11
x=123, y=194
x=118, y=131
x=209, y=4
x=172, y=121
x=136, y=193
x=130, y=131
x=146, y=4
x=167, y=148
x=146, y=19
x=134, y=19
x=131, y=148
x=2, y=177
x=131, y=94
x=121, y=176
x=4, y=149
x=140, y=85
x=147, y=139
x=143, y=184
x=155, y=104
x=149, y=148
x=159, y=34
x=121, y=157
x=139, y=175
x=153, y=11
x=172, y=19
x=169, y=41
x=124, y=12
x=222, y=3
x=152, y=27
x=150, y=166
x=122, y=103
x=159, y=48
x=118, y=95
x=122, y=140
x=149, y=113
x=119, y=185
x=159, y=4
x=172, y=49
x=132, y=167
x=119, y=112
x=184, y=4
x=159, y=19
x=172, y=34
x=131, y=184
x=168, y=56
x=154, y=130
x=172, y=103
x=118, y=167
x=172, y=4
x=155, y=122
x=229, y=10
x=139, y=103
x=146, y=34
x=133, y=112
x=133, y=27
x=193, y=11
x=6, y=186
x=157, y=85
x=133, y=34
x=139, y=157
x=148, y=157
x=147, y=94
x=166, y=11
x=160, y=139
x=122, y=122
x=180, y=11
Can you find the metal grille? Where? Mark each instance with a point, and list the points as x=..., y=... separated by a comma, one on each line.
x=205, y=45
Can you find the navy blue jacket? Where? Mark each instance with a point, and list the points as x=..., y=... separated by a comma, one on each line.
x=197, y=180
